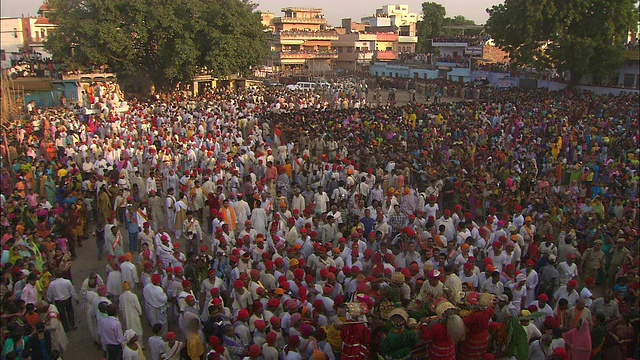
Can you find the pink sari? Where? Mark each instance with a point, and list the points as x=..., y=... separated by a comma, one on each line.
x=578, y=342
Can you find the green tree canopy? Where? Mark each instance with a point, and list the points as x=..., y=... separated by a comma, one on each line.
x=164, y=41
x=579, y=36
x=434, y=20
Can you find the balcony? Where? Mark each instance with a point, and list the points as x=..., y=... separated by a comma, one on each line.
x=387, y=55
x=386, y=37
x=301, y=54
x=473, y=51
x=407, y=39
x=360, y=56
x=449, y=44
x=307, y=35
x=295, y=20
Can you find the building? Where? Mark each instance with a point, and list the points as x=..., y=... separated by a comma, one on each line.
x=11, y=39
x=25, y=36
x=267, y=21
x=407, y=38
x=351, y=26
x=397, y=15
x=395, y=19
x=357, y=50
x=39, y=29
x=301, y=41
x=629, y=72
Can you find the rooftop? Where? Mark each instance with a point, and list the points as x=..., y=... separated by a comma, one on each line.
x=43, y=21
x=44, y=7
x=293, y=8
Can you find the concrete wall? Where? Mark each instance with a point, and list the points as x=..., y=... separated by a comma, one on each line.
x=630, y=68
x=423, y=74
x=599, y=90
x=499, y=80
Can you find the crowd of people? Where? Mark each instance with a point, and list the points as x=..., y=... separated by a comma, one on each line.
x=271, y=224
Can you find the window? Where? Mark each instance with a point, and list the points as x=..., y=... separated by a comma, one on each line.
x=3, y=55
x=629, y=80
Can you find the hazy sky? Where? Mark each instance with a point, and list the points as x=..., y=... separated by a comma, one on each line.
x=334, y=10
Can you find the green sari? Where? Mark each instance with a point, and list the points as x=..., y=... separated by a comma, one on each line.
x=597, y=339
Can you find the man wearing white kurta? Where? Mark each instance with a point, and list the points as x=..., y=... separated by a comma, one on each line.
x=89, y=297
x=170, y=204
x=129, y=272
x=130, y=309
x=155, y=301
x=259, y=220
x=243, y=212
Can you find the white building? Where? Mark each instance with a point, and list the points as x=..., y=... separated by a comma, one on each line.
x=24, y=34
x=12, y=39
x=399, y=14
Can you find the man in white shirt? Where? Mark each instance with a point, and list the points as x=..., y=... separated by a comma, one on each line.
x=494, y=285
x=61, y=293
x=543, y=306
x=100, y=165
x=567, y=292
x=431, y=209
x=321, y=199
x=585, y=293
x=567, y=269
x=128, y=270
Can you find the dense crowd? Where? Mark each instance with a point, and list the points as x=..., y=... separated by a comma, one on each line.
x=270, y=224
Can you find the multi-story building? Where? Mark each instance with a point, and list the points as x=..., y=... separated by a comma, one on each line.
x=24, y=36
x=398, y=15
x=395, y=19
x=357, y=50
x=267, y=20
x=11, y=39
x=301, y=41
x=382, y=37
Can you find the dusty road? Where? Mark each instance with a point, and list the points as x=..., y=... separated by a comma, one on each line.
x=81, y=345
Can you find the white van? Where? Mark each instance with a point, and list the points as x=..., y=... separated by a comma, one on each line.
x=302, y=85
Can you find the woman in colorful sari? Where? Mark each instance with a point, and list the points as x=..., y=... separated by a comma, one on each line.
x=37, y=259
x=442, y=336
x=616, y=343
x=475, y=343
x=578, y=341
x=48, y=188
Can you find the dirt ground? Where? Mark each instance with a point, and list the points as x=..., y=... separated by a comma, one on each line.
x=81, y=345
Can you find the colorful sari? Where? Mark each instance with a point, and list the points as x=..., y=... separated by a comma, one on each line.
x=578, y=342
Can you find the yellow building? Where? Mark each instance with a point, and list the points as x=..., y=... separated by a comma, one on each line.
x=357, y=50
x=301, y=41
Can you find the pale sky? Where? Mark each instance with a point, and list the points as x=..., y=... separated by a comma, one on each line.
x=334, y=10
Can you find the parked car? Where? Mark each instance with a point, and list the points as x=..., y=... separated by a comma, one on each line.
x=302, y=85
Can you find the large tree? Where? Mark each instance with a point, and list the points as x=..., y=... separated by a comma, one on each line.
x=433, y=25
x=164, y=41
x=579, y=36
